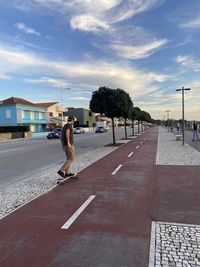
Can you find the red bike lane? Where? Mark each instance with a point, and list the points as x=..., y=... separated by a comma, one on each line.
x=114, y=229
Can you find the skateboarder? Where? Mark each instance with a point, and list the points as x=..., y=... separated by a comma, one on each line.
x=67, y=142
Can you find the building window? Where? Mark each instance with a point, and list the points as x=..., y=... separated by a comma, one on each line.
x=27, y=115
x=32, y=115
x=43, y=115
x=36, y=115
x=8, y=114
x=50, y=114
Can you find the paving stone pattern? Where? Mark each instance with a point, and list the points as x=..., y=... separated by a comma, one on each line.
x=172, y=152
x=177, y=245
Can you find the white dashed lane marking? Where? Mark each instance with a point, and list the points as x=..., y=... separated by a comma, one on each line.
x=77, y=213
x=117, y=169
x=137, y=147
x=130, y=154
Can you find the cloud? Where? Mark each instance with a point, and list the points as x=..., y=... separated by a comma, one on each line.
x=106, y=19
x=95, y=15
x=191, y=24
x=14, y=59
x=83, y=12
x=23, y=28
x=188, y=62
x=129, y=8
x=85, y=75
x=47, y=81
x=27, y=44
x=4, y=77
x=160, y=100
x=186, y=16
x=139, y=51
x=79, y=98
x=88, y=23
x=139, y=84
x=94, y=6
x=113, y=11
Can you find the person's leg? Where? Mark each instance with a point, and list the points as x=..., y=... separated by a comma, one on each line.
x=70, y=159
x=197, y=135
x=193, y=135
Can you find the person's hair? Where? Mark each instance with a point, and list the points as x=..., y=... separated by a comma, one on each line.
x=70, y=118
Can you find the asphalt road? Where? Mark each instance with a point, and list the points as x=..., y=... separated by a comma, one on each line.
x=20, y=159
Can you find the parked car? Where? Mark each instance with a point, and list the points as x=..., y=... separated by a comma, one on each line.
x=101, y=130
x=54, y=134
x=79, y=130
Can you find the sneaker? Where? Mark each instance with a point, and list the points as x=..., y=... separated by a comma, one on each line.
x=69, y=174
x=61, y=173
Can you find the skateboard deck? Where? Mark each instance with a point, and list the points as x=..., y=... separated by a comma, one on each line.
x=61, y=180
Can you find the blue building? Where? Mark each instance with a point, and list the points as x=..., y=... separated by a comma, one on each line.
x=17, y=111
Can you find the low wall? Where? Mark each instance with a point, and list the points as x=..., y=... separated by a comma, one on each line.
x=9, y=136
x=5, y=136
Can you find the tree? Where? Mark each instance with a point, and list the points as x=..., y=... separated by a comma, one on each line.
x=125, y=105
x=133, y=116
x=138, y=116
x=105, y=101
x=145, y=117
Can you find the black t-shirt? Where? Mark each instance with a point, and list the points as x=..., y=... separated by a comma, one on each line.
x=195, y=126
x=63, y=134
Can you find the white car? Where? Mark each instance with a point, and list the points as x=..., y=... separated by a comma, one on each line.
x=79, y=130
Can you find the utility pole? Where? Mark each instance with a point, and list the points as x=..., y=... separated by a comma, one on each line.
x=183, y=116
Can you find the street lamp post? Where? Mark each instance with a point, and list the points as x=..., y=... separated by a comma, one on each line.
x=183, y=116
x=61, y=100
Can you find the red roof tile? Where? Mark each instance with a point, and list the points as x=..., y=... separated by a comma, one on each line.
x=15, y=100
x=46, y=105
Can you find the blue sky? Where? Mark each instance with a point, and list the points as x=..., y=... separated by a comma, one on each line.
x=146, y=47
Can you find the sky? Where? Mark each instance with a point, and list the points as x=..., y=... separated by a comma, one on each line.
x=149, y=48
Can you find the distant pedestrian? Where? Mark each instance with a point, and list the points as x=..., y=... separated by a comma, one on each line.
x=67, y=141
x=195, y=131
x=178, y=126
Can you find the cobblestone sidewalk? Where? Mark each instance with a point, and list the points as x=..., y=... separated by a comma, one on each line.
x=172, y=152
x=174, y=245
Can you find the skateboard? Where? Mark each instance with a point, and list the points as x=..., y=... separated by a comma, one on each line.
x=61, y=180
